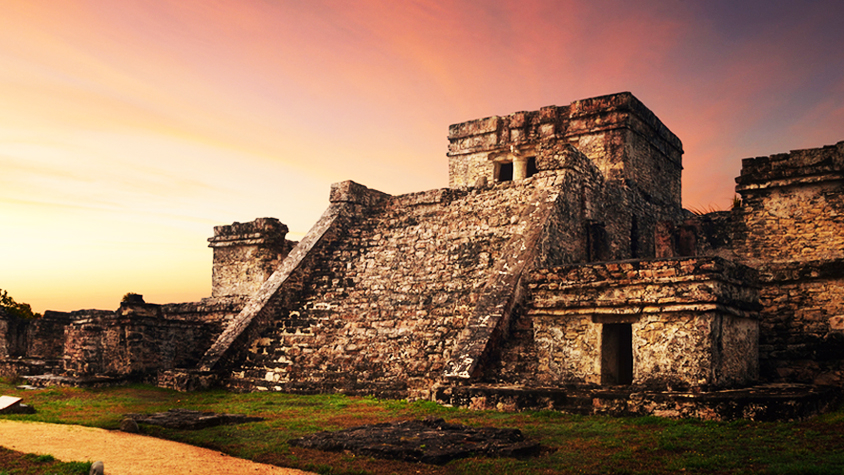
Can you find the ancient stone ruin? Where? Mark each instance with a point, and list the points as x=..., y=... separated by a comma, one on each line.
x=558, y=270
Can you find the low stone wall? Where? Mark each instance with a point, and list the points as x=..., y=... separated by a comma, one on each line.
x=12, y=335
x=13, y=367
x=775, y=402
x=137, y=340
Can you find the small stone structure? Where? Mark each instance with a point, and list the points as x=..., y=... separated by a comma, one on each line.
x=678, y=323
x=558, y=261
x=246, y=254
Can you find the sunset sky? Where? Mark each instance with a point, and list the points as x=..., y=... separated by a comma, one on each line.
x=128, y=129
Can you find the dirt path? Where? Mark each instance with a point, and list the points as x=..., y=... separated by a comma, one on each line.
x=125, y=454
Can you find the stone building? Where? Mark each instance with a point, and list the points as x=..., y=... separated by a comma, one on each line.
x=557, y=270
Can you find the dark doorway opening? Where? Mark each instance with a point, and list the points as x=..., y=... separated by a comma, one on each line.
x=617, y=354
x=531, y=167
x=505, y=171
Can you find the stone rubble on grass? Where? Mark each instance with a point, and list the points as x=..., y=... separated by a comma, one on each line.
x=189, y=419
x=431, y=441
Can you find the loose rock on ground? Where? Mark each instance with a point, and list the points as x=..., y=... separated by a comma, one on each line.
x=429, y=441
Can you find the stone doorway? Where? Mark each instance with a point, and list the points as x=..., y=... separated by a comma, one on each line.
x=503, y=172
x=617, y=354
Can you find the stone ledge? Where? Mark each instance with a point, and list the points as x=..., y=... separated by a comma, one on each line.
x=185, y=380
x=775, y=402
x=351, y=192
x=796, y=167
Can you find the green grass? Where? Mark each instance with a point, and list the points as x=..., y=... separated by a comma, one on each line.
x=16, y=463
x=572, y=443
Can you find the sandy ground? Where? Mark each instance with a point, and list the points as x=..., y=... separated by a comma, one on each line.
x=122, y=453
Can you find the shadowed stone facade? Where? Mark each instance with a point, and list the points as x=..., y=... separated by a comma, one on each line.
x=558, y=265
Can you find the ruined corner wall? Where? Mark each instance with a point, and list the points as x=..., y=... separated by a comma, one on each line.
x=689, y=323
x=12, y=342
x=32, y=346
x=802, y=326
x=792, y=206
x=138, y=340
x=790, y=226
x=385, y=300
x=245, y=255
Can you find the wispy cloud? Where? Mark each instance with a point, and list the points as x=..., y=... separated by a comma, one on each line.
x=121, y=119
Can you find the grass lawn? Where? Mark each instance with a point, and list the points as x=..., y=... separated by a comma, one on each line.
x=572, y=444
x=17, y=463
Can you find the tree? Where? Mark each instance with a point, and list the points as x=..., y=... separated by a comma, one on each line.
x=21, y=310
x=132, y=297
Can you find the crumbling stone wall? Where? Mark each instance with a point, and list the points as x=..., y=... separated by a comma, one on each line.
x=245, y=255
x=45, y=335
x=135, y=341
x=803, y=322
x=790, y=226
x=32, y=346
x=12, y=335
x=792, y=206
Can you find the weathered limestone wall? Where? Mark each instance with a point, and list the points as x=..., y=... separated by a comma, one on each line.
x=246, y=254
x=792, y=206
x=32, y=346
x=12, y=335
x=135, y=341
x=790, y=226
x=690, y=323
x=45, y=336
x=214, y=311
x=803, y=322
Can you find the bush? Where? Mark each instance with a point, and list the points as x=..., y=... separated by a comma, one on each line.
x=132, y=297
x=20, y=310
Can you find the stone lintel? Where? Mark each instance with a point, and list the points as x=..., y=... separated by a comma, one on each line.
x=699, y=284
x=632, y=313
x=262, y=231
